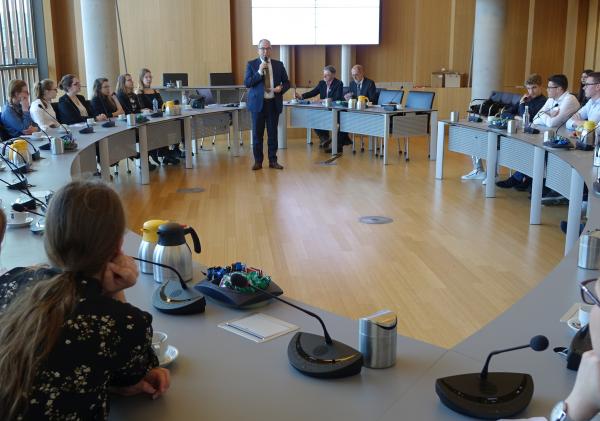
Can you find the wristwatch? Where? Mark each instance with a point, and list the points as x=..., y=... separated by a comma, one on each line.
x=559, y=412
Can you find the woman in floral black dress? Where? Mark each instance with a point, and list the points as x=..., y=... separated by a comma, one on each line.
x=67, y=336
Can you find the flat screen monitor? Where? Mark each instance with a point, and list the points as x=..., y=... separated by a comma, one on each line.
x=221, y=79
x=316, y=22
x=174, y=77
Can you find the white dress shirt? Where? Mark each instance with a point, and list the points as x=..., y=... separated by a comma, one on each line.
x=270, y=94
x=40, y=117
x=567, y=105
x=590, y=111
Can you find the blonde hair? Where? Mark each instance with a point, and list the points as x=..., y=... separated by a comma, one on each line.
x=141, y=85
x=85, y=223
x=14, y=87
x=41, y=87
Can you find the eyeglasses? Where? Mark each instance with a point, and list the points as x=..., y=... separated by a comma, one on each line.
x=76, y=83
x=264, y=48
x=587, y=292
x=551, y=87
x=590, y=84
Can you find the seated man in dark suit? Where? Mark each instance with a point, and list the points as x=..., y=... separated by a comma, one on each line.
x=361, y=85
x=329, y=87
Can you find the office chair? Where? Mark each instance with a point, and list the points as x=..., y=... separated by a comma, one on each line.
x=417, y=100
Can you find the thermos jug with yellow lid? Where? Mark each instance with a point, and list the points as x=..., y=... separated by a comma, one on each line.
x=149, y=240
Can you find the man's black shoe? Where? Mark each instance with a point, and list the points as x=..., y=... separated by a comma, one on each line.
x=563, y=227
x=508, y=183
x=275, y=165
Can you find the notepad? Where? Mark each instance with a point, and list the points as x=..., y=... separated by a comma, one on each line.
x=258, y=327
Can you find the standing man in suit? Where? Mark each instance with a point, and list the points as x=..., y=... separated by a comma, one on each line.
x=361, y=85
x=266, y=81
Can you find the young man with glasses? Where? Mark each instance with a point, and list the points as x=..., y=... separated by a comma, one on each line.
x=591, y=110
x=583, y=403
x=561, y=104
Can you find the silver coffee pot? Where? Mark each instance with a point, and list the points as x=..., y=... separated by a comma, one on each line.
x=172, y=250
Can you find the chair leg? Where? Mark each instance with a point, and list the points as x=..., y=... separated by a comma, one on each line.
x=362, y=143
x=241, y=138
x=127, y=166
x=228, y=141
x=201, y=142
x=353, y=143
x=406, y=157
x=214, y=139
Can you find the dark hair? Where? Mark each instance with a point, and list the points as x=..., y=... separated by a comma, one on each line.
x=98, y=86
x=66, y=81
x=121, y=80
x=588, y=71
x=560, y=80
x=595, y=76
x=329, y=68
x=534, y=79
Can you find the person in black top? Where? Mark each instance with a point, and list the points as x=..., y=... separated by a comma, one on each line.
x=361, y=85
x=68, y=338
x=146, y=95
x=104, y=101
x=535, y=100
x=329, y=87
x=72, y=107
x=581, y=95
x=128, y=99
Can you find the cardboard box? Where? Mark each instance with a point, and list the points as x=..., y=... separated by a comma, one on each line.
x=437, y=79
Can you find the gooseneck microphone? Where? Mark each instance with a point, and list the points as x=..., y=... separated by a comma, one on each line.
x=178, y=299
x=567, y=120
x=19, y=207
x=314, y=355
x=65, y=128
x=36, y=152
x=490, y=395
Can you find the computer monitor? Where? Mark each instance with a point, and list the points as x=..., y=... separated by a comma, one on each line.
x=420, y=100
x=221, y=79
x=174, y=77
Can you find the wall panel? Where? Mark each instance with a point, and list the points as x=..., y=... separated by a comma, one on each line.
x=549, y=43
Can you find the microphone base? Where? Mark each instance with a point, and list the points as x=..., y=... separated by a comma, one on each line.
x=170, y=298
x=108, y=124
x=87, y=130
x=501, y=395
x=312, y=356
x=232, y=298
x=475, y=119
x=19, y=185
x=531, y=130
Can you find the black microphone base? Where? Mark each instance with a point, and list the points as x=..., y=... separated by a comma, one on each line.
x=501, y=395
x=108, y=124
x=312, y=356
x=475, y=119
x=87, y=130
x=19, y=185
x=531, y=130
x=170, y=298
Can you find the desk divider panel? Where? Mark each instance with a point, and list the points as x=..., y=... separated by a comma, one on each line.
x=558, y=175
x=410, y=124
x=468, y=141
x=310, y=118
x=165, y=133
x=205, y=125
x=516, y=155
x=87, y=160
x=245, y=119
x=362, y=123
x=122, y=145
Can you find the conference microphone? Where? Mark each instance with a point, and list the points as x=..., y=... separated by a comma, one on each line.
x=567, y=120
x=36, y=152
x=490, y=395
x=48, y=145
x=175, y=298
x=21, y=169
x=19, y=207
x=582, y=143
x=310, y=354
x=65, y=128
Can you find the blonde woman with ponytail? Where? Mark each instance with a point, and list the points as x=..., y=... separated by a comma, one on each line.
x=44, y=91
x=67, y=336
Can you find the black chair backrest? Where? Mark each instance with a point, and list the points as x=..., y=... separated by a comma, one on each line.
x=221, y=79
x=387, y=96
x=420, y=100
x=208, y=96
x=345, y=90
x=3, y=133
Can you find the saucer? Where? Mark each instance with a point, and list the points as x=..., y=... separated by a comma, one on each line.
x=574, y=324
x=27, y=222
x=170, y=356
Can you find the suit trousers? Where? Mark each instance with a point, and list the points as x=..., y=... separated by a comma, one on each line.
x=269, y=118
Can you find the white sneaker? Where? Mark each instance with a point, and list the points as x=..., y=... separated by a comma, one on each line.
x=474, y=175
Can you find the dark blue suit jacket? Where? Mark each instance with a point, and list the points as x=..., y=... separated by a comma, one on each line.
x=367, y=89
x=335, y=92
x=256, y=85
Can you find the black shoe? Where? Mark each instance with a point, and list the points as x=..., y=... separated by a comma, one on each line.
x=340, y=150
x=257, y=166
x=275, y=165
x=170, y=160
x=508, y=183
x=151, y=166
x=525, y=185
x=325, y=144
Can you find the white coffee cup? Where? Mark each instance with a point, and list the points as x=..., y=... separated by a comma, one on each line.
x=15, y=217
x=491, y=118
x=159, y=344
x=37, y=135
x=124, y=116
x=242, y=105
x=584, y=314
x=90, y=121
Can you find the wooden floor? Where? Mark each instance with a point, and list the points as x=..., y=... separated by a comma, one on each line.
x=450, y=262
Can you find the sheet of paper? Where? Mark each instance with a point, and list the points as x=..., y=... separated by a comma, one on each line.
x=258, y=327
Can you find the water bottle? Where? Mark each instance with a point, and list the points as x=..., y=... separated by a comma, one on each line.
x=526, y=122
x=184, y=98
x=154, y=105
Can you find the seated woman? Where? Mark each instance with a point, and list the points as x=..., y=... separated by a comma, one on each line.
x=67, y=336
x=72, y=107
x=104, y=101
x=16, y=117
x=42, y=112
x=147, y=95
